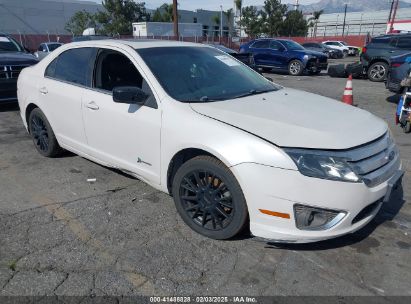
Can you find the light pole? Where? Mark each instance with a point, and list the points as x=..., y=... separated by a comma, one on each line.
x=345, y=16
x=221, y=22
x=361, y=23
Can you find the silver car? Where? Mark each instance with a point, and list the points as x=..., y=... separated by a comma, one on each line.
x=46, y=48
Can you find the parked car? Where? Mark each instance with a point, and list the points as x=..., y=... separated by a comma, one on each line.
x=13, y=59
x=285, y=55
x=322, y=48
x=45, y=48
x=231, y=147
x=399, y=69
x=376, y=55
x=246, y=58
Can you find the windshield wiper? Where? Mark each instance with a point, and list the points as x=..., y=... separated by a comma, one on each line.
x=254, y=92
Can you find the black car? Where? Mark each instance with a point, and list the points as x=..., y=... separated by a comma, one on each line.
x=246, y=58
x=399, y=69
x=376, y=55
x=13, y=58
x=322, y=48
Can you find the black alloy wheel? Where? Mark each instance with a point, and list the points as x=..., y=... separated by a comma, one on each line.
x=42, y=134
x=209, y=199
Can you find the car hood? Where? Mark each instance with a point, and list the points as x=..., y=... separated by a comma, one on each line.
x=309, y=52
x=12, y=58
x=292, y=118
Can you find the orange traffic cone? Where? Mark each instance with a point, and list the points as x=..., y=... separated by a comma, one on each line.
x=348, y=96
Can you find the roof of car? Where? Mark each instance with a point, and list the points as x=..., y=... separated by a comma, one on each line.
x=138, y=43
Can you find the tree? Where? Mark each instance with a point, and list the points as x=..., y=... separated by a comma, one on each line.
x=250, y=21
x=229, y=15
x=216, y=20
x=316, y=17
x=272, y=16
x=118, y=15
x=294, y=25
x=80, y=21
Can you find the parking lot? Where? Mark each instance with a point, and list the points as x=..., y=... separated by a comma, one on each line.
x=63, y=235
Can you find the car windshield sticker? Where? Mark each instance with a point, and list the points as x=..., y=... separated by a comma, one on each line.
x=4, y=39
x=227, y=60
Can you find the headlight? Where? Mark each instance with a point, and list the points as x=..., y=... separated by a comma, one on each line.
x=306, y=57
x=323, y=166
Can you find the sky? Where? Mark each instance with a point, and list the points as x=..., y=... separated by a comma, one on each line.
x=213, y=4
x=209, y=4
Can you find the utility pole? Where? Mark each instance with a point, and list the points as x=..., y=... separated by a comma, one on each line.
x=394, y=15
x=175, y=19
x=221, y=22
x=345, y=16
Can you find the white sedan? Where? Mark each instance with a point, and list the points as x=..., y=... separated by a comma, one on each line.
x=233, y=149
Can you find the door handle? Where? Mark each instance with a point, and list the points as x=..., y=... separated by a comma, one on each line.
x=92, y=106
x=43, y=90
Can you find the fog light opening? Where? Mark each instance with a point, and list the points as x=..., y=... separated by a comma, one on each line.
x=310, y=218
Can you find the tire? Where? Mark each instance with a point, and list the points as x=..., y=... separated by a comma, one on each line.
x=407, y=127
x=205, y=186
x=42, y=134
x=377, y=72
x=295, y=68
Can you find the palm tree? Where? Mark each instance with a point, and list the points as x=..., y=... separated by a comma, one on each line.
x=239, y=6
x=229, y=15
x=316, y=17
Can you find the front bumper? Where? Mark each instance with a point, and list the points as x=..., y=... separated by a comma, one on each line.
x=316, y=65
x=8, y=90
x=278, y=190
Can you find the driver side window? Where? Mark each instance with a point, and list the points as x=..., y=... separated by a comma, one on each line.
x=114, y=69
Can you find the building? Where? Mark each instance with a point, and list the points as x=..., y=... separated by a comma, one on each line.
x=166, y=29
x=358, y=23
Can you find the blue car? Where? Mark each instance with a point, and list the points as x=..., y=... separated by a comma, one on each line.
x=285, y=55
x=398, y=70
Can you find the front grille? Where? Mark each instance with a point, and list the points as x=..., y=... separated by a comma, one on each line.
x=11, y=71
x=374, y=162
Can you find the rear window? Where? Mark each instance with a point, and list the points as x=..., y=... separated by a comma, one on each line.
x=385, y=41
x=72, y=66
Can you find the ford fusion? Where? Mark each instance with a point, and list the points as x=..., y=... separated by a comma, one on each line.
x=234, y=150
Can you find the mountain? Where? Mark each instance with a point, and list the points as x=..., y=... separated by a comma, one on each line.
x=337, y=6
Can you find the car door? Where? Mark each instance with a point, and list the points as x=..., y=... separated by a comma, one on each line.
x=60, y=94
x=126, y=136
x=261, y=52
x=279, y=55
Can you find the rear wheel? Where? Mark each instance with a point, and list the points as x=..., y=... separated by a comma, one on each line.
x=209, y=199
x=295, y=68
x=378, y=72
x=42, y=134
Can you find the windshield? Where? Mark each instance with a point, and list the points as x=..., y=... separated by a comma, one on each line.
x=343, y=43
x=9, y=45
x=291, y=45
x=203, y=74
x=224, y=49
x=53, y=46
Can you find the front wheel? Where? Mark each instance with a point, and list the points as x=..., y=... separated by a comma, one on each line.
x=378, y=72
x=209, y=199
x=42, y=134
x=295, y=68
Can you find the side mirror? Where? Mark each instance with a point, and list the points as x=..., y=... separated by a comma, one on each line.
x=129, y=95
